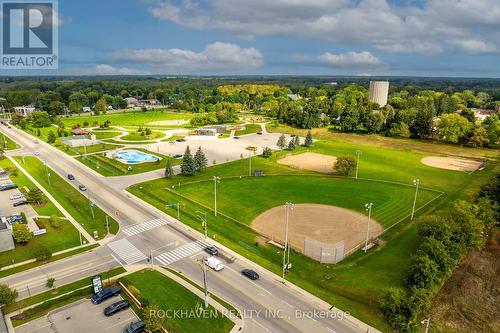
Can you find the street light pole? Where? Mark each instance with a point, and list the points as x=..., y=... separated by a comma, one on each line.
x=204, y=221
x=90, y=204
x=358, y=152
x=205, y=282
x=369, y=209
x=416, y=182
x=286, y=249
x=47, y=172
x=427, y=323
x=216, y=180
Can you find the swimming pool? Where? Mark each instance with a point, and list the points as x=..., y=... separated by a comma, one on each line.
x=134, y=157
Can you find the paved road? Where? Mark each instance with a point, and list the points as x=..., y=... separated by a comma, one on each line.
x=268, y=305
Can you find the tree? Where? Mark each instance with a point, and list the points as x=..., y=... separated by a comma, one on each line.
x=291, y=144
x=479, y=137
x=40, y=119
x=74, y=107
x=50, y=283
x=469, y=115
x=281, y=142
x=7, y=295
x=399, y=130
x=41, y=253
x=100, y=106
x=453, y=127
x=309, y=139
x=296, y=142
x=200, y=161
x=51, y=137
x=169, y=171
x=152, y=318
x=396, y=308
x=267, y=152
x=34, y=196
x=188, y=167
x=344, y=165
x=21, y=233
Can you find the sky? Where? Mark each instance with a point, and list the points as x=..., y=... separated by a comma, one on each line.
x=459, y=38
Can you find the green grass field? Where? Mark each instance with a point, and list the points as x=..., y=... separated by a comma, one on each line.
x=169, y=295
x=356, y=283
x=136, y=136
x=249, y=129
x=7, y=143
x=70, y=198
x=129, y=118
x=106, y=134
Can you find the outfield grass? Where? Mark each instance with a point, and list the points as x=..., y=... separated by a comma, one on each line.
x=355, y=284
x=129, y=118
x=169, y=295
x=136, y=136
x=70, y=198
x=249, y=129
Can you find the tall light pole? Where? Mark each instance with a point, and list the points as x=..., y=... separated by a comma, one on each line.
x=47, y=172
x=203, y=220
x=178, y=209
x=416, y=182
x=216, y=180
x=369, y=209
x=286, y=249
x=250, y=163
x=358, y=152
x=426, y=322
x=205, y=282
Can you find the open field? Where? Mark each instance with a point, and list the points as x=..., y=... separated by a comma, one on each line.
x=129, y=118
x=136, y=136
x=106, y=134
x=167, y=294
x=310, y=161
x=355, y=284
x=70, y=198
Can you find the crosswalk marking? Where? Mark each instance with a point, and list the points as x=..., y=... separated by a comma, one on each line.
x=138, y=228
x=182, y=252
x=127, y=251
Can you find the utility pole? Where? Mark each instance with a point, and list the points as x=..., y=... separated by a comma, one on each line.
x=216, y=180
x=416, y=182
x=203, y=220
x=47, y=172
x=369, y=209
x=91, y=205
x=205, y=282
x=81, y=242
x=427, y=323
x=286, y=249
x=358, y=152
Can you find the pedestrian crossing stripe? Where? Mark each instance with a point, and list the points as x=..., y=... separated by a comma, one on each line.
x=127, y=251
x=138, y=228
x=182, y=252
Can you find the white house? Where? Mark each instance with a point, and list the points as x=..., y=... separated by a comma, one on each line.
x=86, y=109
x=24, y=110
x=131, y=102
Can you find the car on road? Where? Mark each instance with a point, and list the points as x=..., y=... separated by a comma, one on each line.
x=105, y=294
x=212, y=250
x=181, y=140
x=172, y=141
x=20, y=203
x=116, y=307
x=37, y=153
x=8, y=126
x=137, y=327
x=213, y=263
x=236, y=137
x=82, y=187
x=252, y=275
x=259, y=133
x=8, y=186
x=36, y=141
x=16, y=196
x=71, y=177
x=177, y=155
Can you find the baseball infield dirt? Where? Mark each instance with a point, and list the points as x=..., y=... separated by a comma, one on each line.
x=328, y=224
x=452, y=163
x=310, y=161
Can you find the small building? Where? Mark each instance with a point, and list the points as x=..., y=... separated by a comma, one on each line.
x=148, y=102
x=86, y=109
x=6, y=239
x=80, y=140
x=80, y=131
x=24, y=110
x=482, y=114
x=131, y=102
x=294, y=97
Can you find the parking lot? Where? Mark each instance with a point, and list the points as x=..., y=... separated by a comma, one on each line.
x=81, y=317
x=6, y=208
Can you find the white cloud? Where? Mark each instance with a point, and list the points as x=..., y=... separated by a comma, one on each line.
x=430, y=28
x=215, y=57
x=352, y=60
x=103, y=69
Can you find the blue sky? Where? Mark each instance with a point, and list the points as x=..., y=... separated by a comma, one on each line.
x=311, y=37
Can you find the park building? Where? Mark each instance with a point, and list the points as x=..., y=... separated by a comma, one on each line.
x=378, y=92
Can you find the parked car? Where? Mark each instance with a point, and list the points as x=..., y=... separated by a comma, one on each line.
x=116, y=307
x=259, y=133
x=105, y=294
x=8, y=186
x=37, y=153
x=213, y=263
x=252, y=275
x=236, y=137
x=71, y=177
x=177, y=156
x=36, y=141
x=137, y=327
x=82, y=187
x=20, y=203
x=16, y=196
x=212, y=250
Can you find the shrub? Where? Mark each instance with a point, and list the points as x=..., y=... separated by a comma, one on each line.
x=267, y=152
x=50, y=282
x=39, y=222
x=7, y=295
x=41, y=253
x=21, y=233
x=344, y=165
x=55, y=222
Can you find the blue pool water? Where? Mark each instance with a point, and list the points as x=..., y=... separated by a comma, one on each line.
x=134, y=157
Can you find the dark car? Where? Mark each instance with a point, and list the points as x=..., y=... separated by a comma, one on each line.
x=212, y=250
x=20, y=203
x=252, y=275
x=105, y=294
x=259, y=133
x=6, y=187
x=82, y=187
x=71, y=177
x=137, y=327
x=177, y=156
x=116, y=307
x=236, y=137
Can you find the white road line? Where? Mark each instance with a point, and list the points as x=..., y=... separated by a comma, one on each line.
x=179, y=253
x=138, y=228
x=127, y=251
x=290, y=305
x=328, y=328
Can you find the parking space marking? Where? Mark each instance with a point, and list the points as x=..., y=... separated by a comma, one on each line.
x=138, y=228
x=182, y=252
x=127, y=251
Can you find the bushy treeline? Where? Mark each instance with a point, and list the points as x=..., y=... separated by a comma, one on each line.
x=445, y=239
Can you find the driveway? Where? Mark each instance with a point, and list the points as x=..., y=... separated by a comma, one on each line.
x=80, y=317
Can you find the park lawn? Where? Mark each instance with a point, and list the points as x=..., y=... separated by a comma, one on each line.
x=7, y=143
x=167, y=294
x=56, y=239
x=70, y=198
x=106, y=134
x=128, y=118
x=136, y=136
x=47, y=208
x=249, y=129
x=100, y=147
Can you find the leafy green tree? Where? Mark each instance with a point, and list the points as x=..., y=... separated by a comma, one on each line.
x=34, y=196
x=424, y=272
x=169, y=171
x=296, y=142
x=41, y=253
x=344, y=165
x=309, y=139
x=50, y=283
x=200, y=160
x=469, y=115
x=397, y=309
x=479, y=137
x=40, y=119
x=188, y=167
x=281, y=142
x=7, y=295
x=74, y=107
x=267, y=152
x=291, y=144
x=399, y=130
x=453, y=127
x=21, y=233
x=51, y=137
x=100, y=106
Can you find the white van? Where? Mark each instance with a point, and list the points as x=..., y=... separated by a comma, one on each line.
x=213, y=263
